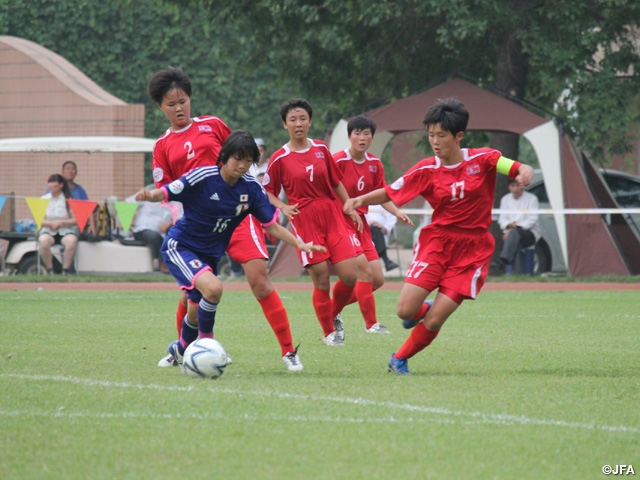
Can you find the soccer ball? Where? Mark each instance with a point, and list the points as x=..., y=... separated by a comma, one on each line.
x=205, y=358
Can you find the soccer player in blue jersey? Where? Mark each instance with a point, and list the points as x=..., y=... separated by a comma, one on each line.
x=215, y=199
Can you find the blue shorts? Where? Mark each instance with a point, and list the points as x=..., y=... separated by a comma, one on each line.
x=185, y=265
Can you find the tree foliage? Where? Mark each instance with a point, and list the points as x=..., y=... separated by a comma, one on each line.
x=358, y=54
x=120, y=44
x=245, y=57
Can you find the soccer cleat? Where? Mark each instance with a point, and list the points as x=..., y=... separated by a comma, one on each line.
x=408, y=324
x=333, y=340
x=292, y=361
x=376, y=328
x=167, y=361
x=338, y=324
x=174, y=351
x=399, y=366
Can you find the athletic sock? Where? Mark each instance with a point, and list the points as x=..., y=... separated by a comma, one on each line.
x=276, y=315
x=341, y=294
x=422, y=312
x=180, y=314
x=206, y=318
x=419, y=339
x=188, y=334
x=322, y=306
x=353, y=298
x=367, y=302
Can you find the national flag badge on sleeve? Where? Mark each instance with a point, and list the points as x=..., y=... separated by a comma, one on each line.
x=244, y=197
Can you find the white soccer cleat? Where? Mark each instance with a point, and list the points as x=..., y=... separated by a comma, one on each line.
x=167, y=361
x=292, y=362
x=377, y=328
x=338, y=325
x=333, y=340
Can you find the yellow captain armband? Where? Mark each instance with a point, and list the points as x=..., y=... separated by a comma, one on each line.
x=504, y=165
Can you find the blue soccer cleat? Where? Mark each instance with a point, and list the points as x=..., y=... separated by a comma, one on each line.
x=174, y=351
x=399, y=366
x=409, y=324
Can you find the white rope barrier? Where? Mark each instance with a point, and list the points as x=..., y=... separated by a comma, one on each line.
x=566, y=211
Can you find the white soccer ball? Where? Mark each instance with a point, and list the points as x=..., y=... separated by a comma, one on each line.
x=205, y=358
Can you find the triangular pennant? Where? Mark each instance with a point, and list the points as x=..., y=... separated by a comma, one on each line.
x=38, y=207
x=125, y=211
x=3, y=198
x=82, y=209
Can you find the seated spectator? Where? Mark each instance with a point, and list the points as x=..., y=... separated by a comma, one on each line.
x=520, y=230
x=69, y=172
x=381, y=223
x=150, y=224
x=59, y=225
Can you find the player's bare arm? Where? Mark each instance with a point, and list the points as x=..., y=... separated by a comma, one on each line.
x=285, y=235
x=343, y=196
x=155, y=195
x=525, y=174
x=376, y=197
x=288, y=211
x=393, y=209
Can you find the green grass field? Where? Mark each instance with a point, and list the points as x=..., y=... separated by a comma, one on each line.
x=519, y=385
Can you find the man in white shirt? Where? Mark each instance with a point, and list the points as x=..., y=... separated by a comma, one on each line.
x=150, y=224
x=381, y=223
x=521, y=229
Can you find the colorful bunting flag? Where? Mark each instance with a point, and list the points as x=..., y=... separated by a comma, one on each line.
x=125, y=211
x=38, y=207
x=3, y=198
x=82, y=209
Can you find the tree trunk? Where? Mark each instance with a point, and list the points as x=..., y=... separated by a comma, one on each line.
x=511, y=76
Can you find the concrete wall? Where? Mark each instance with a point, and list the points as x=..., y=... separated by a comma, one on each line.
x=42, y=94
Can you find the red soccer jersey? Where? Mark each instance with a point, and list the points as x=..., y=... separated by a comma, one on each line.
x=360, y=177
x=461, y=195
x=305, y=175
x=176, y=153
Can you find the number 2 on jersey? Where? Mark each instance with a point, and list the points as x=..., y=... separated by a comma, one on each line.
x=190, y=151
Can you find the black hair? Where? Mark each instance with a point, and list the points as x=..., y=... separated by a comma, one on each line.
x=295, y=103
x=165, y=80
x=69, y=162
x=361, y=123
x=239, y=144
x=450, y=113
x=56, y=177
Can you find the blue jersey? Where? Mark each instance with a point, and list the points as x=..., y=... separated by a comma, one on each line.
x=213, y=208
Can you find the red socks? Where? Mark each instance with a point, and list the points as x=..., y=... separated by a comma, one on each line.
x=341, y=294
x=419, y=339
x=180, y=314
x=367, y=302
x=277, y=317
x=322, y=305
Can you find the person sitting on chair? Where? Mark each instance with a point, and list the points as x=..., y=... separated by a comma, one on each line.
x=151, y=223
x=59, y=225
x=521, y=230
x=381, y=223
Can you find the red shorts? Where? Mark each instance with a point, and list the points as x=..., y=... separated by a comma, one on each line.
x=362, y=241
x=247, y=241
x=321, y=223
x=452, y=260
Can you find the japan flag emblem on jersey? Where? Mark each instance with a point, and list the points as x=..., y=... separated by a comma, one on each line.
x=244, y=197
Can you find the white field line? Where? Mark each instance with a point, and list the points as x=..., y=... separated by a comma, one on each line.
x=443, y=415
